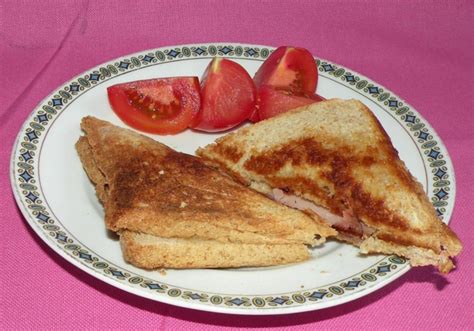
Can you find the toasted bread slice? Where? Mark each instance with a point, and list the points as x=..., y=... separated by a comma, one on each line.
x=146, y=187
x=150, y=252
x=335, y=160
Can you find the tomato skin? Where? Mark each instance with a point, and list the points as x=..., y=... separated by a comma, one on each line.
x=160, y=106
x=289, y=68
x=228, y=96
x=272, y=102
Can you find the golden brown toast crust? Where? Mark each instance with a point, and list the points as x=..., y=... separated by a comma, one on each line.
x=150, y=188
x=337, y=155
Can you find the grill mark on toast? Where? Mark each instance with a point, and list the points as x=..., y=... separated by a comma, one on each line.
x=307, y=152
x=365, y=206
x=229, y=152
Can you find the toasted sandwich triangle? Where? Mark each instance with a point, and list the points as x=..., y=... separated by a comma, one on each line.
x=334, y=159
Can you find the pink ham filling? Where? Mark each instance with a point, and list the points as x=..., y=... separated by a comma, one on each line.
x=347, y=221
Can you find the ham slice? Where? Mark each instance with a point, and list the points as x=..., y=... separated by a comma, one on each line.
x=345, y=223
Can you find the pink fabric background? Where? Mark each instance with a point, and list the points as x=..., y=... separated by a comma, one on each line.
x=421, y=50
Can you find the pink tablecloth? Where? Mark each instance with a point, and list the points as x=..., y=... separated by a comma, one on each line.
x=421, y=50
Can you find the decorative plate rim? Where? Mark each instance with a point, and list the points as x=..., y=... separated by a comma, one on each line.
x=28, y=196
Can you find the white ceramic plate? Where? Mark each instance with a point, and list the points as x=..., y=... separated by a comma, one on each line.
x=60, y=204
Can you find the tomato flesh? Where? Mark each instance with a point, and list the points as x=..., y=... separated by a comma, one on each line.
x=289, y=68
x=161, y=106
x=228, y=96
x=272, y=102
x=165, y=105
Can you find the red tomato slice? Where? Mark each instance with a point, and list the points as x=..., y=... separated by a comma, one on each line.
x=228, y=96
x=271, y=102
x=162, y=106
x=289, y=68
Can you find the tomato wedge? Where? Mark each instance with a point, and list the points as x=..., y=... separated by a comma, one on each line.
x=272, y=102
x=161, y=106
x=228, y=96
x=289, y=68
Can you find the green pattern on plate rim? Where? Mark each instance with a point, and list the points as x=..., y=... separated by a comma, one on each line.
x=25, y=157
